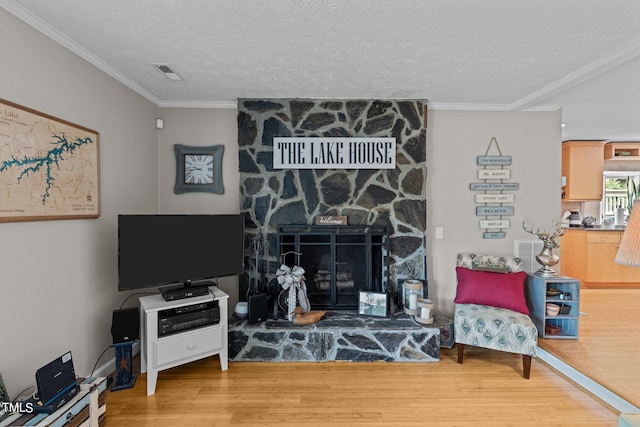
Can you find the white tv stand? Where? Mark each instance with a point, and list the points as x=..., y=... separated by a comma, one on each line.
x=160, y=353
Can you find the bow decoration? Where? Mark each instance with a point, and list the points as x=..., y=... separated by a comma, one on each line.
x=293, y=280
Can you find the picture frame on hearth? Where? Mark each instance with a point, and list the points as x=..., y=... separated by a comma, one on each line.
x=372, y=303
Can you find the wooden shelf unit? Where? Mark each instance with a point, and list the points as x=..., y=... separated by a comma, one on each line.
x=163, y=352
x=537, y=299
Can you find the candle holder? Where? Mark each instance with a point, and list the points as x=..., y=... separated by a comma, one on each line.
x=424, y=313
x=412, y=292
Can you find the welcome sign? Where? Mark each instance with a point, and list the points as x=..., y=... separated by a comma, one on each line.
x=334, y=153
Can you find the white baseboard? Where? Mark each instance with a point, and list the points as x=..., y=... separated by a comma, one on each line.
x=108, y=367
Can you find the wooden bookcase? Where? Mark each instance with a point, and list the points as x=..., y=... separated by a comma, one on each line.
x=539, y=293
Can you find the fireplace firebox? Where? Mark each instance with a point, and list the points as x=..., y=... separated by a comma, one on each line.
x=339, y=261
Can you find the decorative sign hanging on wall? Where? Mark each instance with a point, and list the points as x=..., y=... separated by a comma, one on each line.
x=493, y=198
x=334, y=153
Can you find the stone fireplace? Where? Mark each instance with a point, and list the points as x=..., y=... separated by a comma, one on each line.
x=339, y=261
x=391, y=198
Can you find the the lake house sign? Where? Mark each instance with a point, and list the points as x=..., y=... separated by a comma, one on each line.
x=334, y=153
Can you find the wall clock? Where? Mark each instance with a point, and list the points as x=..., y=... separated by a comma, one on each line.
x=198, y=169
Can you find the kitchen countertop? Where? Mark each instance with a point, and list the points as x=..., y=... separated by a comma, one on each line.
x=600, y=228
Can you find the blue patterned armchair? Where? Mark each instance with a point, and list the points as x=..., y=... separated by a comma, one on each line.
x=491, y=309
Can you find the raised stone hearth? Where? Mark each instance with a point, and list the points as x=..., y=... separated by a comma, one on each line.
x=339, y=335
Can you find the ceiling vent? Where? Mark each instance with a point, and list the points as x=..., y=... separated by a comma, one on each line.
x=168, y=72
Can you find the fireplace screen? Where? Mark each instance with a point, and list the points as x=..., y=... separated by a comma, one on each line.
x=339, y=261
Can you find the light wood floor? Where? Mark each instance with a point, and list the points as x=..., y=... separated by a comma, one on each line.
x=608, y=348
x=487, y=390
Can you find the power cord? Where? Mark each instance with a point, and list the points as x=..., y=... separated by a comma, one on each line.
x=134, y=294
x=99, y=357
x=19, y=396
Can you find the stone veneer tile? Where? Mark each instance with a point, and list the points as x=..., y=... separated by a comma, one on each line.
x=364, y=338
x=392, y=197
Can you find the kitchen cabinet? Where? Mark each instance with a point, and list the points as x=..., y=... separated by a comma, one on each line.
x=630, y=274
x=622, y=151
x=573, y=254
x=602, y=247
x=583, y=166
x=589, y=255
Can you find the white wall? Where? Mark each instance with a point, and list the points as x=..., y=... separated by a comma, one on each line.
x=59, y=278
x=455, y=139
x=201, y=127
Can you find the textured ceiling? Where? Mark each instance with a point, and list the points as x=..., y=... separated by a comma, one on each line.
x=492, y=54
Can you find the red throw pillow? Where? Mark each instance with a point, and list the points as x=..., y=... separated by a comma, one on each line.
x=494, y=289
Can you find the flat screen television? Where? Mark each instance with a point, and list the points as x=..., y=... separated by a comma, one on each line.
x=157, y=250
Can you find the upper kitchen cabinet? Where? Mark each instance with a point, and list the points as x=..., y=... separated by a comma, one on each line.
x=583, y=166
x=622, y=151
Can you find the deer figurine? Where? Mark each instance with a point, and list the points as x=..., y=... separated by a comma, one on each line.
x=546, y=257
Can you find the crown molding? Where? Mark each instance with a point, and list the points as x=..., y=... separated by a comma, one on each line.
x=60, y=38
x=625, y=54
x=543, y=107
x=443, y=106
x=199, y=104
x=489, y=107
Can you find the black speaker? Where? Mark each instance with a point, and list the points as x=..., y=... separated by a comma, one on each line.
x=257, y=307
x=125, y=325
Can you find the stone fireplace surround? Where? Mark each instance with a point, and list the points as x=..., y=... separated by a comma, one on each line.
x=391, y=197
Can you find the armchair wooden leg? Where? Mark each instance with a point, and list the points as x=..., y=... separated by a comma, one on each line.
x=526, y=366
x=460, y=352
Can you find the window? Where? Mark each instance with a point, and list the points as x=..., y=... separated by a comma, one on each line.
x=616, y=192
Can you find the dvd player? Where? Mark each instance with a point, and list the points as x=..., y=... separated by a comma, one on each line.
x=193, y=316
x=185, y=292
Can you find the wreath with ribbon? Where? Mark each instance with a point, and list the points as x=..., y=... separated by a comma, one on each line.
x=293, y=280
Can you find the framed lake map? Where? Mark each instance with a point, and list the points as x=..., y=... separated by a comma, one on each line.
x=49, y=168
